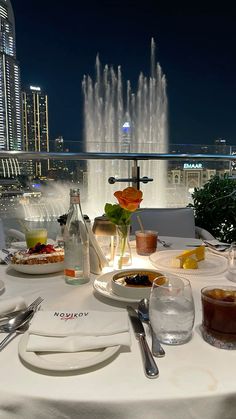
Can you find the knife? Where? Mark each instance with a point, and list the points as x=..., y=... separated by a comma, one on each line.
x=150, y=367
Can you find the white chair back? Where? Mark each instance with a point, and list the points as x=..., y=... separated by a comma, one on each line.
x=175, y=222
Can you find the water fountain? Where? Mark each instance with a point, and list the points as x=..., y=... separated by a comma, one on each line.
x=114, y=121
x=117, y=122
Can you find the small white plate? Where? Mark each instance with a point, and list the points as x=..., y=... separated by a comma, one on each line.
x=38, y=269
x=2, y=286
x=64, y=361
x=213, y=264
x=102, y=285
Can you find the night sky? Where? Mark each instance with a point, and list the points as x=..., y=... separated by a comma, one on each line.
x=57, y=43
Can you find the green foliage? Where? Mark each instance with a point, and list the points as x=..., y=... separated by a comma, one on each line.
x=117, y=215
x=215, y=207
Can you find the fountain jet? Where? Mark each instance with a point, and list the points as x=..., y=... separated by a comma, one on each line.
x=115, y=121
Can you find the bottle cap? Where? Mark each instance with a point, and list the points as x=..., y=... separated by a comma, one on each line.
x=74, y=191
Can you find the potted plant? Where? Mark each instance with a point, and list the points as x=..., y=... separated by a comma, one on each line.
x=215, y=207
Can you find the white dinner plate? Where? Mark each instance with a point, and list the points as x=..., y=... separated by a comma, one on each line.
x=65, y=361
x=213, y=264
x=2, y=285
x=102, y=285
x=38, y=269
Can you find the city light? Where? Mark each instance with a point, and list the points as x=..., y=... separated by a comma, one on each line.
x=38, y=89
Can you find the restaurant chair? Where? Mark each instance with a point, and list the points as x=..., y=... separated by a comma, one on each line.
x=173, y=222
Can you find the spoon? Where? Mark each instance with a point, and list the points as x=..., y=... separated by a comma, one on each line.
x=143, y=312
x=165, y=244
x=15, y=326
x=7, y=316
x=17, y=321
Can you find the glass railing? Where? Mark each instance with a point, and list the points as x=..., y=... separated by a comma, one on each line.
x=34, y=187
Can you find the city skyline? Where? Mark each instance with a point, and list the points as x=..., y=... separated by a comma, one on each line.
x=10, y=94
x=56, y=49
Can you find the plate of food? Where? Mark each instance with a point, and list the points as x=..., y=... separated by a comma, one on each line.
x=189, y=262
x=128, y=285
x=38, y=260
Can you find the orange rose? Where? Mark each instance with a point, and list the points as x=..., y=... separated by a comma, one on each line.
x=129, y=198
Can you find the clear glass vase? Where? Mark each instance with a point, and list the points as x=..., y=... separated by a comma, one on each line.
x=123, y=255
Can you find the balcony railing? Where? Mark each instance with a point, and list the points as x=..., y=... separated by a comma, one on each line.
x=166, y=179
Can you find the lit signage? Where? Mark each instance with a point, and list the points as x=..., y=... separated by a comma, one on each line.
x=126, y=127
x=193, y=166
x=38, y=89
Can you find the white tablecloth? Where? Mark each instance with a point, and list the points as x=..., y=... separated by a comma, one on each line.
x=196, y=380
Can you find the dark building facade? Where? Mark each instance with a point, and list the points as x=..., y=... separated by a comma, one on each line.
x=10, y=101
x=35, y=127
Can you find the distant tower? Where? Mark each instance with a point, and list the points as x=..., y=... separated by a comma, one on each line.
x=10, y=106
x=35, y=127
x=59, y=144
x=59, y=148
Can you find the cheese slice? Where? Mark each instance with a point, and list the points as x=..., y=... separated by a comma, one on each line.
x=198, y=253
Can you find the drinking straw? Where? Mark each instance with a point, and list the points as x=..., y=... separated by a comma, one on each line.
x=140, y=223
x=25, y=228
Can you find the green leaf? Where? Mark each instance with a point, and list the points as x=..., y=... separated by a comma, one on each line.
x=116, y=214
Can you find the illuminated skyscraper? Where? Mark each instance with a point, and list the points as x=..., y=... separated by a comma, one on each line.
x=10, y=103
x=35, y=127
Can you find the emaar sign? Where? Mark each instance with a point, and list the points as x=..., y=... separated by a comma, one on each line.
x=193, y=166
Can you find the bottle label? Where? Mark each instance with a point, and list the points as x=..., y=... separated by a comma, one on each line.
x=74, y=199
x=73, y=273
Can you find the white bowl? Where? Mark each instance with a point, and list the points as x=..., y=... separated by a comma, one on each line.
x=121, y=288
x=38, y=269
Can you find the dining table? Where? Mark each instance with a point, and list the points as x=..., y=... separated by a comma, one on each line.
x=196, y=380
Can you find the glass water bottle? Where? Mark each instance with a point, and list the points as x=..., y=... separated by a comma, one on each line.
x=76, y=263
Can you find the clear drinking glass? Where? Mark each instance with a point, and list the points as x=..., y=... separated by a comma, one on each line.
x=171, y=309
x=36, y=235
x=232, y=263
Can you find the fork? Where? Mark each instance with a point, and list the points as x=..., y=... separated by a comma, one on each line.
x=10, y=336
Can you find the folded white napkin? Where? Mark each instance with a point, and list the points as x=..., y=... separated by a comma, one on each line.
x=11, y=304
x=67, y=331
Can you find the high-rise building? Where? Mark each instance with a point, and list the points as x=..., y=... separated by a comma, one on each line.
x=59, y=148
x=35, y=127
x=10, y=103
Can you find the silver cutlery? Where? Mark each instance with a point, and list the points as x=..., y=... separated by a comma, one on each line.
x=14, y=325
x=165, y=244
x=5, y=317
x=143, y=312
x=150, y=367
x=220, y=247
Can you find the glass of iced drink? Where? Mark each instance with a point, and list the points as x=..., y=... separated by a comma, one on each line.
x=171, y=309
x=219, y=315
x=146, y=242
x=36, y=235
